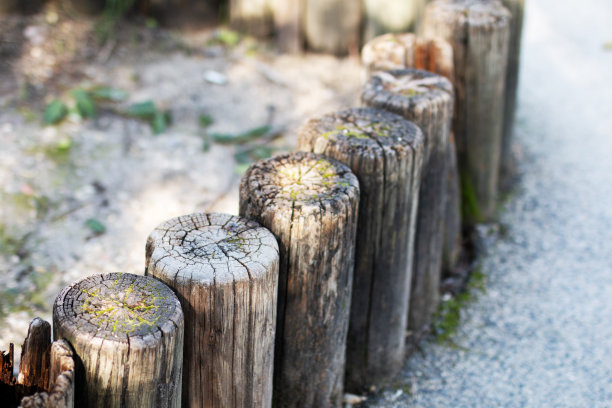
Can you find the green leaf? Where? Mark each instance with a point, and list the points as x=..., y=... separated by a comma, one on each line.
x=146, y=109
x=95, y=226
x=159, y=123
x=64, y=145
x=205, y=120
x=54, y=112
x=84, y=104
x=255, y=133
x=106, y=93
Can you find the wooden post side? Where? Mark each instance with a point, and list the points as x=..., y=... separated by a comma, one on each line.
x=479, y=34
x=310, y=205
x=224, y=269
x=508, y=165
x=452, y=245
x=332, y=26
x=427, y=100
x=385, y=152
x=127, y=334
x=35, y=352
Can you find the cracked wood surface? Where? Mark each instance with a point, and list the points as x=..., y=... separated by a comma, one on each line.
x=398, y=51
x=426, y=99
x=224, y=270
x=127, y=334
x=479, y=33
x=385, y=152
x=310, y=204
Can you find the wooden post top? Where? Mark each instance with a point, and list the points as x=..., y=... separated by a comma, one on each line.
x=208, y=249
x=118, y=307
x=405, y=87
x=299, y=179
x=366, y=127
x=472, y=12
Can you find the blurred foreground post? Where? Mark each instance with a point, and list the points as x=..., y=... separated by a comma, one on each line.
x=385, y=152
x=425, y=99
x=127, y=334
x=310, y=204
x=224, y=270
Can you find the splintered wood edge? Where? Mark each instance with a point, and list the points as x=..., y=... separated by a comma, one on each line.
x=302, y=180
x=360, y=126
x=117, y=308
x=211, y=248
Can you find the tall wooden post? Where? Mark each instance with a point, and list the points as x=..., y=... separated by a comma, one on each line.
x=127, y=334
x=427, y=100
x=508, y=165
x=35, y=354
x=385, y=152
x=332, y=26
x=479, y=34
x=224, y=270
x=310, y=204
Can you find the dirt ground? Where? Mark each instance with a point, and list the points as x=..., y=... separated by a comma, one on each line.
x=80, y=197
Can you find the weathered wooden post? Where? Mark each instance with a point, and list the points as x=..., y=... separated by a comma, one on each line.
x=382, y=16
x=287, y=16
x=35, y=355
x=332, y=25
x=427, y=100
x=224, y=270
x=251, y=16
x=479, y=33
x=310, y=204
x=386, y=153
x=397, y=51
x=508, y=165
x=127, y=334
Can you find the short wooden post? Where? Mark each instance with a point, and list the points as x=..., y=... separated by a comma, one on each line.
x=224, y=270
x=397, y=51
x=508, y=162
x=310, y=204
x=427, y=100
x=385, y=151
x=251, y=16
x=332, y=26
x=479, y=33
x=127, y=333
x=35, y=353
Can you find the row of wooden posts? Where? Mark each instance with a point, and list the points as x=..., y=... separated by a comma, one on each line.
x=338, y=250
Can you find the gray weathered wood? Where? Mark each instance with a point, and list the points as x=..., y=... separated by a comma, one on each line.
x=288, y=24
x=332, y=26
x=426, y=99
x=508, y=161
x=397, y=51
x=61, y=375
x=383, y=16
x=127, y=331
x=479, y=33
x=310, y=205
x=225, y=271
x=251, y=16
x=385, y=152
x=35, y=353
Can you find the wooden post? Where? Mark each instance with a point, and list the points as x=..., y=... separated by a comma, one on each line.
x=478, y=32
x=397, y=51
x=288, y=25
x=62, y=375
x=127, y=333
x=251, y=16
x=508, y=164
x=332, y=26
x=386, y=153
x=427, y=100
x=35, y=353
x=310, y=204
x=224, y=269
x=383, y=16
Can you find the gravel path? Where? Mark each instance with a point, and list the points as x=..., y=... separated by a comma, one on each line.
x=541, y=334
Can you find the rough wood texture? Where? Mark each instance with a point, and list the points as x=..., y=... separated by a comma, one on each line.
x=385, y=152
x=478, y=31
x=383, y=16
x=397, y=51
x=310, y=205
x=127, y=334
x=332, y=26
x=288, y=25
x=508, y=161
x=224, y=269
x=251, y=16
x=427, y=100
x=61, y=374
x=35, y=353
